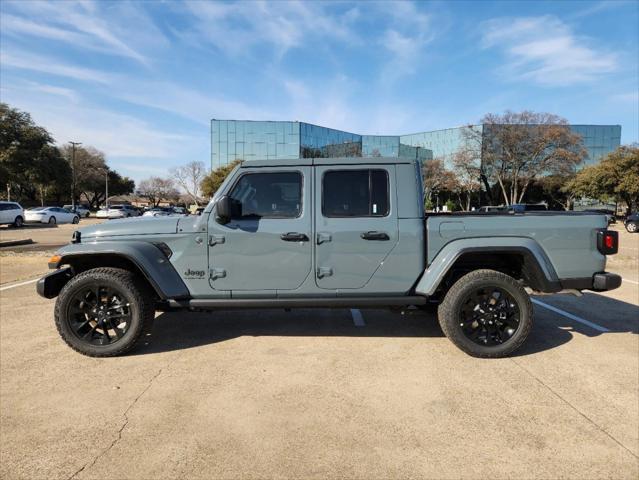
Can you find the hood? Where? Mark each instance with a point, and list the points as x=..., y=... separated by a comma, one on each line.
x=131, y=226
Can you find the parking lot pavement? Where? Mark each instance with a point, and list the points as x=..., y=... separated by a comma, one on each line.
x=310, y=394
x=44, y=236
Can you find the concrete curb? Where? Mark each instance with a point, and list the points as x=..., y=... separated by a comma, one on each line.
x=13, y=243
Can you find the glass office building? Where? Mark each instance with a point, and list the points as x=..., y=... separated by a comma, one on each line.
x=273, y=140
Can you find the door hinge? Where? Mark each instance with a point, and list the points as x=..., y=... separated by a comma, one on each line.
x=215, y=239
x=324, y=272
x=323, y=238
x=217, y=273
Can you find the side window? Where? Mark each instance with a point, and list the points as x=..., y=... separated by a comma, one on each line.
x=267, y=195
x=355, y=193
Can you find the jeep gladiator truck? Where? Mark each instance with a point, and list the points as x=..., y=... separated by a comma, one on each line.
x=329, y=233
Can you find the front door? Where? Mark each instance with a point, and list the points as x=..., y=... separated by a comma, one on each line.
x=267, y=244
x=356, y=226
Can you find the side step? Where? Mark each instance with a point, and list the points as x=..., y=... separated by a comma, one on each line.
x=322, y=302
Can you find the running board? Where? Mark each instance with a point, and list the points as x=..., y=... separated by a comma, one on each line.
x=321, y=302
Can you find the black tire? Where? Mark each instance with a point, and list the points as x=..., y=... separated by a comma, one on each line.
x=137, y=313
x=76, y=220
x=18, y=222
x=473, y=335
x=52, y=221
x=632, y=227
x=88, y=214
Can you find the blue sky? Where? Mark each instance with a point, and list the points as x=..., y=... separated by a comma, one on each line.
x=141, y=81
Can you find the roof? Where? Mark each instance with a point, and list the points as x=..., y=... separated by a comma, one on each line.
x=301, y=162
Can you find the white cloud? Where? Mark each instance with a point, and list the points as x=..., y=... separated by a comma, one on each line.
x=238, y=28
x=85, y=25
x=37, y=63
x=545, y=50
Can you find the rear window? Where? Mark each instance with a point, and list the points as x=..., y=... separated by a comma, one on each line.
x=355, y=193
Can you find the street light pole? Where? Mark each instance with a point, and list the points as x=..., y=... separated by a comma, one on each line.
x=73, y=145
x=106, y=187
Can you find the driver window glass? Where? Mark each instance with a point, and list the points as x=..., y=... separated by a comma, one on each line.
x=267, y=195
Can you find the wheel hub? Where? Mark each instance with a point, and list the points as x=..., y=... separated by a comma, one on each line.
x=489, y=316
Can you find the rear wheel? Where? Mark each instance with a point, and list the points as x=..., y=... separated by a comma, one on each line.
x=486, y=314
x=52, y=221
x=76, y=219
x=631, y=227
x=18, y=222
x=104, y=312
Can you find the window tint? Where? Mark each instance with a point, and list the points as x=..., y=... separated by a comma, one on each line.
x=355, y=193
x=267, y=195
x=5, y=206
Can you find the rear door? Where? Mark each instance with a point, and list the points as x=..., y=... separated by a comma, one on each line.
x=267, y=244
x=356, y=223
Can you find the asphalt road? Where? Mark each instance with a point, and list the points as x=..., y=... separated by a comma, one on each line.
x=321, y=393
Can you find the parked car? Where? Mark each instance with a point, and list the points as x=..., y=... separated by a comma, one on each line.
x=11, y=213
x=81, y=210
x=491, y=208
x=118, y=211
x=632, y=222
x=160, y=212
x=51, y=215
x=527, y=207
x=327, y=234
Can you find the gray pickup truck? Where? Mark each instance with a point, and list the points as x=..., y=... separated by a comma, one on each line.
x=329, y=233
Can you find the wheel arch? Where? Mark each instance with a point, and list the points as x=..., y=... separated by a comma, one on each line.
x=143, y=258
x=521, y=258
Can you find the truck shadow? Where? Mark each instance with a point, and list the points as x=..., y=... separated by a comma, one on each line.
x=182, y=330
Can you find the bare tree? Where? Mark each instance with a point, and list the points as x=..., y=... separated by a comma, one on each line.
x=189, y=177
x=466, y=168
x=436, y=178
x=157, y=189
x=518, y=147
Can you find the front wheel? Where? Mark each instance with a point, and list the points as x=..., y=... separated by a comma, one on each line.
x=486, y=314
x=76, y=219
x=104, y=312
x=52, y=221
x=631, y=227
x=18, y=222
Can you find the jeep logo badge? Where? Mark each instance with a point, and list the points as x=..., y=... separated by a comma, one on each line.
x=194, y=273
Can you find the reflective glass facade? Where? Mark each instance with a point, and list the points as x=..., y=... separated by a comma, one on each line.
x=266, y=140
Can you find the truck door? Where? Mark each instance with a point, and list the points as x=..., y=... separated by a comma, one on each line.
x=267, y=243
x=356, y=223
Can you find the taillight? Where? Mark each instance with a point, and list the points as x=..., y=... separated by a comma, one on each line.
x=607, y=242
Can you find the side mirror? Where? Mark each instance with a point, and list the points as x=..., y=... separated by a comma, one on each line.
x=223, y=210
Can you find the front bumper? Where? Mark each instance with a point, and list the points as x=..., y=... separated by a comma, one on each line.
x=50, y=285
x=599, y=282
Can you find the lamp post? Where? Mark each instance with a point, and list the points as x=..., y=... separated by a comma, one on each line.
x=106, y=187
x=73, y=145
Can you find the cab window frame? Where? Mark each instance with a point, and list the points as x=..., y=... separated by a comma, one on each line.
x=370, y=192
x=270, y=217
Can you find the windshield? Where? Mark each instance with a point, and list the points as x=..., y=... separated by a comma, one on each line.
x=117, y=207
x=35, y=209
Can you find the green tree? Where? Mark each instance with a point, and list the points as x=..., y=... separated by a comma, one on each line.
x=29, y=161
x=213, y=180
x=615, y=177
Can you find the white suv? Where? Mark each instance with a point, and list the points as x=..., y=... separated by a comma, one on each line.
x=11, y=213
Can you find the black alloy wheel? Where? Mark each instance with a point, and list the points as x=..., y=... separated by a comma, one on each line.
x=99, y=314
x=486, y=314
x=489, y=316
x=105, y=312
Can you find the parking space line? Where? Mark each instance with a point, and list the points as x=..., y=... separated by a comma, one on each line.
x=358, y=319
x=599, y=328
x=19, y=284
x=629, y=281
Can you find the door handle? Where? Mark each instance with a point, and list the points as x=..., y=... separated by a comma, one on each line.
x=294, y=237
x=375, y=236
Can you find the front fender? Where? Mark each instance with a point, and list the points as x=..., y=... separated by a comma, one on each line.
x=535, y=258
x=147, y=257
